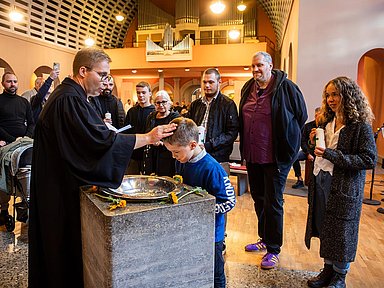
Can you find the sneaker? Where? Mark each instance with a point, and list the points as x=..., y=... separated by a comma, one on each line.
x=298, y=184
x=256, y=247
x=269, y=261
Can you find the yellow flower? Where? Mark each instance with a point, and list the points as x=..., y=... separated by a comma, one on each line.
x=115, y=202
x=92, y=189
x=122, y=203
x=173, y=198
x=178, y=179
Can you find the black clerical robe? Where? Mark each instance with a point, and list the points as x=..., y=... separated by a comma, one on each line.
x=72, y=147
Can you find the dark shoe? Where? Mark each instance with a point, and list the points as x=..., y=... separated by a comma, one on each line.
x=3, y=217
x=323, y=279
x=380, y=210
x=338, y=281
x=298, y=184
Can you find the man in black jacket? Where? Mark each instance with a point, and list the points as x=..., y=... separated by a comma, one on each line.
x=217, y=116
x=272, y=115
x=137, y=117
x=38, y=100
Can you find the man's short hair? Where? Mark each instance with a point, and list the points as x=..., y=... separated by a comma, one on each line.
x=7, y=73
x=144, y=84
x=88, y=57
x=185, y=132
x=213, y=71
x=267, y=56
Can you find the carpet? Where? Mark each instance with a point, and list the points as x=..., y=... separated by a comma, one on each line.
x=301, y=192
x=241, y=275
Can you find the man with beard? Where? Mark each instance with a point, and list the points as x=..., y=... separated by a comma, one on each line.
x=108, y=103
x=272, y=115
x=15, y=121
x=217, y=116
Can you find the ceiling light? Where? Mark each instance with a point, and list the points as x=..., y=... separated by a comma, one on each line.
x=119, y=17
x=241, y=7
x=186, y=69
x=234, y=34
x=246, y=68
x=160, y=70
x=89, y=42
x=217, y=7
x=134, y=71
x=15, y=16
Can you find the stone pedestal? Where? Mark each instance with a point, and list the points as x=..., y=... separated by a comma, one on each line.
x=148, y=244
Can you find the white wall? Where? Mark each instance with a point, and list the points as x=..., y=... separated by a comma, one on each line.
x=333, y=36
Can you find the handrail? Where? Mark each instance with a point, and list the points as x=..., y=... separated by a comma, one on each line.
x=212, y=41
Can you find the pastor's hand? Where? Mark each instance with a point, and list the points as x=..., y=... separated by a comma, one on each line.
x=160, y=132
x=155, y=135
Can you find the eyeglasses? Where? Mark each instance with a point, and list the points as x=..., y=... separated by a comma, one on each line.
x=103, y=75
x=161, y=102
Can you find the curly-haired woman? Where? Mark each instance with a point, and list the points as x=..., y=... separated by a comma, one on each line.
x=336, y=194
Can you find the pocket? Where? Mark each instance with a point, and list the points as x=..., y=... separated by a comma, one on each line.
x=343, y=207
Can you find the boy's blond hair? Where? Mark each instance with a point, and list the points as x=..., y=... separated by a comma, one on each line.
x=185, y=132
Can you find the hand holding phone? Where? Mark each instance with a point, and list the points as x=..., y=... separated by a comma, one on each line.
x=56, y=66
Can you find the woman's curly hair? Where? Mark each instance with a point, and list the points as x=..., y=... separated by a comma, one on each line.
x=355, y=105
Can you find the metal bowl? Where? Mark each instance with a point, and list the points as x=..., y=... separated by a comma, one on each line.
x=145, y=188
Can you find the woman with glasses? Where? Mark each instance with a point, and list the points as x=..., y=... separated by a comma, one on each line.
x=337, y=188
x=157, y=159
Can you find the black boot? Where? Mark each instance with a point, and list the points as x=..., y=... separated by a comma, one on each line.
x=338, y=281
x=3, y=217
x=323, y=279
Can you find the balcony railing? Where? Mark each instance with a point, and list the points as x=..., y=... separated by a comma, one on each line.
x=214, y=41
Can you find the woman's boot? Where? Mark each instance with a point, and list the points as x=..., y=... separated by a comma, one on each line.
x=338, y=281
x=323, y=279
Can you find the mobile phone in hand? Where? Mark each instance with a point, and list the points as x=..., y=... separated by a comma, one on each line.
x=56, y=66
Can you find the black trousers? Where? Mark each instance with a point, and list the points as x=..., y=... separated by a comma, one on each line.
x=267, y=184
x=296, y=165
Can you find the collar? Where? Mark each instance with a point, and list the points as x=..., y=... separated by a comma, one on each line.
x=205, y=100
x=198, y=156
x=5, y=93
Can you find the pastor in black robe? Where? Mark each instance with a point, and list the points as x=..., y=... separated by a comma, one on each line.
x=72, y=147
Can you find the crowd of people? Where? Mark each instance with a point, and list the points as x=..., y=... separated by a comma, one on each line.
x=76, y=126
